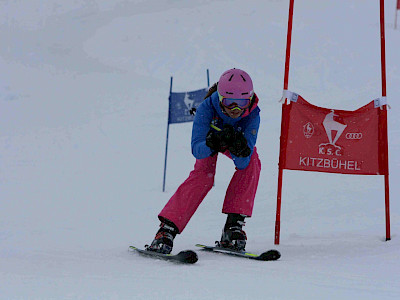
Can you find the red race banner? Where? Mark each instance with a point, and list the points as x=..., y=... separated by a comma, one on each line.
x=334, y=141
x=398, y=4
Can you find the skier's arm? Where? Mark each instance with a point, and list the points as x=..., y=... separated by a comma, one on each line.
x=201, y=126
x=250, y=133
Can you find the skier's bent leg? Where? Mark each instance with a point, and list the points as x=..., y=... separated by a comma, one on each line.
x=183, y=204
x=239, y=198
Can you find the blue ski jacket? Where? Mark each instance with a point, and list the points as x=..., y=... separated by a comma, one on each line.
x=210, y=113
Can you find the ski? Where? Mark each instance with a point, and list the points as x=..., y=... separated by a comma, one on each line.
x=184, y=257
x=265, y=256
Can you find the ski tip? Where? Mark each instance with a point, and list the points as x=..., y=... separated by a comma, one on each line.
x=188, y=256
x=270, y=255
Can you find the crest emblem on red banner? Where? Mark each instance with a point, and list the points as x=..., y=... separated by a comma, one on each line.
x=308, y=130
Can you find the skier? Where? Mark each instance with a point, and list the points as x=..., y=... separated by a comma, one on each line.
x=227, y=121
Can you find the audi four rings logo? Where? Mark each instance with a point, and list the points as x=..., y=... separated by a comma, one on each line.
x=354, y=136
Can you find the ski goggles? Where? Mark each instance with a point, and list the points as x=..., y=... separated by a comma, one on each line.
x=232, y=102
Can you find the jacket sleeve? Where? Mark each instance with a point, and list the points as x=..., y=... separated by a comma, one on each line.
x=201, y=126
x=250, y=131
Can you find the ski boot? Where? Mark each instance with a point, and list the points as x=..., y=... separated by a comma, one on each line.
x=164, y=240
x=233, y=236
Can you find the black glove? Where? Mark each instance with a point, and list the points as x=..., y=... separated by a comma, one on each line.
x=228, y=139
x=239, y=146
x=219, y=141
x=214, y=140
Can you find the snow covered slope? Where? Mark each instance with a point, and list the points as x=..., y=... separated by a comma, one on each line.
x=83, y=113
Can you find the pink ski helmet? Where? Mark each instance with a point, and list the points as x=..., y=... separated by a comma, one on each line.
x=235, y=83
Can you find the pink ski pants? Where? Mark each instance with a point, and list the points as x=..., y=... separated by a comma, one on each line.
x=239, y=198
